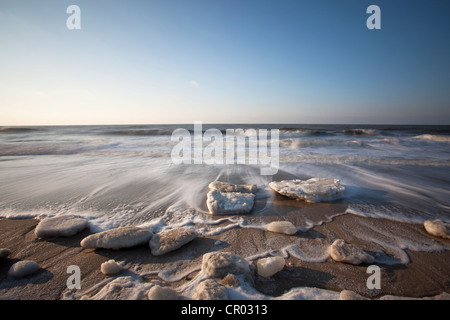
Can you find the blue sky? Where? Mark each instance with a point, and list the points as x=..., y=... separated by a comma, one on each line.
x=224, y=61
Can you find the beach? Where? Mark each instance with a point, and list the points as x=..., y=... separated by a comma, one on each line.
x=426, y=274
x=395, y=179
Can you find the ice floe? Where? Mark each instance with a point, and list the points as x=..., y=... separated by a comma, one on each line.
x=284, y=227
x=229, y=202
x=267, y=267
x=123, y=237
x=228, y=187
x=60, y=226
x=219, y=264
x=227, y=198
x=437, y=228
x=4, y=253
x=23, y=268
x=351, y=295
x=312, y=190
x=210, y=289
x=341, y=251
x=162, y=293
x=110, y=267
x=170, y=240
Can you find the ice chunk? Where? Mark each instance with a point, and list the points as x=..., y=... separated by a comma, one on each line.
x=23, y=268
x=442, y=296
x=344, y=252
x=118, y=238
x=60, y=226
x=210, y=289
x=219, y=264
x=285, y=227
x=167, y=241
x=267, y=267
x=110, y=267
x=229, y=202
x=438, y=228
x=230, y=280
x=228, y=187
x=312, y=190
x=162, y=293
x=350, y=295
x=4, y=252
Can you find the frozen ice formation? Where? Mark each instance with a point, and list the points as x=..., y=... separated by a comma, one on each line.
x=170, y=240
x=229, y=202
x=219, y=264
x=227, y=198
x=110, y=267
x=4, y=253
x=230, y=280
x=312, y=190
x=123, y=237
x=350, y=295
x=23, y=268
x=210, y=289
x=341, y=251
x=162, y=293
x=442, y=296
x=228, y=187
x=437, y=228
x=267, y=267
x=60, y=226
x=285, y=227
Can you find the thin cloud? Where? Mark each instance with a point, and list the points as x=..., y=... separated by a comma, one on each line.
x=194, y=83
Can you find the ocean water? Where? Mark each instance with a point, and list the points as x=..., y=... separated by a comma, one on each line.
x=122, y=175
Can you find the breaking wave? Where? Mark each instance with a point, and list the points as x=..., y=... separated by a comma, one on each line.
x=433, y=137
x=141, y=132
x=360, y=132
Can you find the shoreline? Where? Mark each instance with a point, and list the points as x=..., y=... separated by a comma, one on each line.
x=426, y=275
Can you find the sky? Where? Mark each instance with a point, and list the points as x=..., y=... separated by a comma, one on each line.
x=224, y=61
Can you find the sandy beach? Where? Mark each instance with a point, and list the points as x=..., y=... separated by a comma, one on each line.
x=426, y=275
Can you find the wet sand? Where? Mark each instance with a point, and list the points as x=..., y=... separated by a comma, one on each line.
x=426, y=274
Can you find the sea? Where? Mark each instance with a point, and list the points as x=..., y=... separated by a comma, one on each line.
x=117, y=175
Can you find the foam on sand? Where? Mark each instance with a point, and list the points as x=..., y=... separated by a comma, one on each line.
x=312, y=190
x=123, y=237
